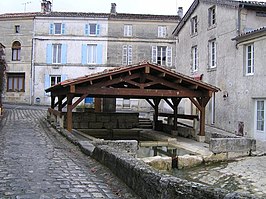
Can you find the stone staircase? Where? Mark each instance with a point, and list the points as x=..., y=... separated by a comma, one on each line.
x=145, y=123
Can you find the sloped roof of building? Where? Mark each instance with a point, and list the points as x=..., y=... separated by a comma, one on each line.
x=245, y=4
x=91, y=14
x=259, y=31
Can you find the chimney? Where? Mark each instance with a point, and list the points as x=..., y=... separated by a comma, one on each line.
x=113, y=8
x=46, y=6
x=180, y=12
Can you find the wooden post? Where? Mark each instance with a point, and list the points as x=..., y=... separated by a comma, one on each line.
x=202, y=122
x=176, y=102
x=156, y=112
x=98, y=105
x=60, y=100
x=69, y=113
x=52, y=102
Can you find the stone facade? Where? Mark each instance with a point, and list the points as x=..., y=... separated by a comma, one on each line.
x=206, y=49
x=16, y=33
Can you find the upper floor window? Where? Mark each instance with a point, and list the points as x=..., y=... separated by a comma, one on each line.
x=15, y=82
x=212, y=16
x=195, y=58
x=57, y=29
x=194, y=25
x=56, y=54
x=249, y=59
x=17, y=28
x=162, y=31
x=127, y=55
x=212, y=53
x=16, y=50
x=128, y=30
x=92, y=29
x=162, y=55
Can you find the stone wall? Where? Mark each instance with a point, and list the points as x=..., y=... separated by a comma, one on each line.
x=88, y=120
x=149, y=183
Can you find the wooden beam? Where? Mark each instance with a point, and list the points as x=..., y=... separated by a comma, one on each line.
x=196, y=103
x=79, y=100
x=151, y=103
x=69, y=112
x=98, y=105
x=72, y=89
x=52, y=102
x=162, y=75
x=156, y=102
x=169, y=103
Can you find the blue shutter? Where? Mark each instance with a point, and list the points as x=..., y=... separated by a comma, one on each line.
x=47, y=83
x=49, y=54
x=51, y=29
x=98, y=29
x=99, y=54
x=86, y=29
x=63, y=28
x=84, y=54
x=64, y=53
x=63, y=77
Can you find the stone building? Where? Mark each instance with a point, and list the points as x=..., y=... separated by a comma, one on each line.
x=16, y=34
x=63, y=45
x=221, y=42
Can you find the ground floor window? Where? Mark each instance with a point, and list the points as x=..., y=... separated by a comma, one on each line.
x=55, y=79
x=15, y=82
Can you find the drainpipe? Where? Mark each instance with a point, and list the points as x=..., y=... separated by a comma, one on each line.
x=239, y=19
x=32, y=65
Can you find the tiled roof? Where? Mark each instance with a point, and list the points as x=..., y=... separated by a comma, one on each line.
x=252, y=32
x=87, y=14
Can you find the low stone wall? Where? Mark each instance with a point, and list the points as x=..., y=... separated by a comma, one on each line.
x=224, y=145
x=88, y=120
x=149, y=183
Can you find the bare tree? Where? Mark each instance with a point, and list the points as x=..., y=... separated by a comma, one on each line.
x=3, y=66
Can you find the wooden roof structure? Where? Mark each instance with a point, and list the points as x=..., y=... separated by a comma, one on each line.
x=143, y=81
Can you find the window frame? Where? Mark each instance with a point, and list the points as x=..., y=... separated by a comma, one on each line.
x=92, y=55
x=194, y=25
x=90, y=29
x=55, y=30
x=128, y=30
x=195, y=58
x=16, y=51
x=212, y=16
x=57, y=54
x=249, y=59
x=15, y=79
x=56, y=79
x=162, y=31
x=212, y=54
x=127, y=55
x=17, y=29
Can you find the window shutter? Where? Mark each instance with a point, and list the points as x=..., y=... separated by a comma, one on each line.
x=86, y=29
x=47, y=83
x=129, y=55
x=130, y=30
x=49, y=54
x=98, y=29
x=124, y=55
x=64, y=53
x=51, y=29
x=63, y=28
x=99, y=54
x=159, y=31
x=63, y=77
x=84, y=54
x=154, y=54
x=169, y=56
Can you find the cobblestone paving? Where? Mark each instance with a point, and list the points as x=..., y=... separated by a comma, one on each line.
x=36, y=162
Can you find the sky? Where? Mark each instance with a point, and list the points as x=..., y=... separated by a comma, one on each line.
x=161, y=7
x=164, y=7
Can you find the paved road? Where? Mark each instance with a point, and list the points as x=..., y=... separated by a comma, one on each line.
x=36, y=162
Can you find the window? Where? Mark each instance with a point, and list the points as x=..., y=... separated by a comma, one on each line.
x=212, y=53
x=57, y=29
x=16, y=50
x=92, y=29
x=162, y=31
x=260, y=115
x=92, y=54
x=55, y=79
x=128, y=30
x=15, y=82
x=250, y=59
x=127, y=55
x=194, y=25
x=17, y=28
x=57, y=54
x=212, y=16
x=195, y=58
x=162, y=55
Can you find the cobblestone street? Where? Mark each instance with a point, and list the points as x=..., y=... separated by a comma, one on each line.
x=36, y=162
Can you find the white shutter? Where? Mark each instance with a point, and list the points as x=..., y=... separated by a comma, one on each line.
x=124, y=55
x=169, y=56
x=154, y=54
x=129, y=55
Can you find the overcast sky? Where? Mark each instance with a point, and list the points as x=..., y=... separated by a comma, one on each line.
x=165, y=7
